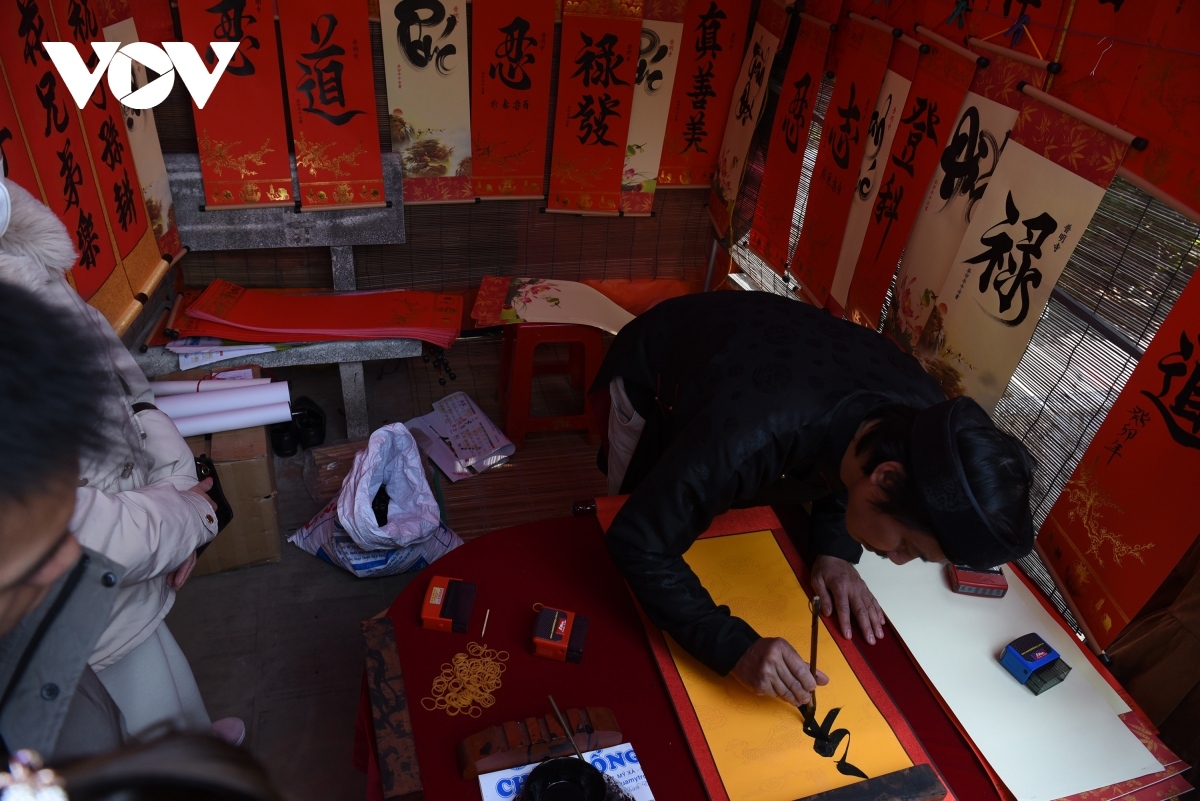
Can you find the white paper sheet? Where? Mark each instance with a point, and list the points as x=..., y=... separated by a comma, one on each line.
x=177, y=406
x=162, y=389
x=460, y=438
x=236, y=418
x=1065, y=741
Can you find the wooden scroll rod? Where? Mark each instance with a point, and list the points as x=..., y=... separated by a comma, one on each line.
x=817, y=21
x=880, y=25
x=1052, y=67
x=1136, y=142
x=952, y=46
x=1159, y=195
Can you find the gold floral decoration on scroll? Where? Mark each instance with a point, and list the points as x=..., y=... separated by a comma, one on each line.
x=630, y=9
x=1087, y=504
x=218, y=156
x=313, y=156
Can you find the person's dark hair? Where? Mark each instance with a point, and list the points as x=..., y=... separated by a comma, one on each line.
x=51, y=383
x=890, y=440
x=998, y=467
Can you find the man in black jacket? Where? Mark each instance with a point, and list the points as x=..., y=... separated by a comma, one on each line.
x=735, y=399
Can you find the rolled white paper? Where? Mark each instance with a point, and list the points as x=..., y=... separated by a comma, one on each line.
x=236, y=418
x=194, y=403
x=161, y=389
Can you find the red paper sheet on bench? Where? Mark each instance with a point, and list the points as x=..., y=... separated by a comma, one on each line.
x=433, y=317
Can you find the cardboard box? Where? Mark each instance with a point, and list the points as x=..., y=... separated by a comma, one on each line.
x=246, y=468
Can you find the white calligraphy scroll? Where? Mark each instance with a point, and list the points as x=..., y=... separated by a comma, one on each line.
x=881, y=131
x=1021, y=236
x=429, y=97
x=972, y=152
x=657, y=61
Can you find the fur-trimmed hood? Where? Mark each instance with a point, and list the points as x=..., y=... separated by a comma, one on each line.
x=36, y=248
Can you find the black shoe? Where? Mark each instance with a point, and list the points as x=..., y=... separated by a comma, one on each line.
x=285, y=439
x=310, y=419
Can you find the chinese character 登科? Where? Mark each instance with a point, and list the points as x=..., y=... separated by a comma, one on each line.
x=322, y=83
x=842, y=137
x=1179, y=402
x=514, y=56
x=414, y=16
x=1011, y=277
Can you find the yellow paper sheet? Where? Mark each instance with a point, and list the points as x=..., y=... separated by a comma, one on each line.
x=759, y=744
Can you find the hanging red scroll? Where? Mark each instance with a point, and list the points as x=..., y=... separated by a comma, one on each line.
x=1045, y=190
x=1164, y=104
x=749, y=97
x=15, y=159
x=940, y=85
x=331, y=89
x=429, y=94
x=967, y=160
x=1097, y=537
x=243, y=158
x=1028, y=26
x=112, y=160
x=710, y=53
x=597, y=71
x=889, y=108
x=510, y=97
x=770, y=234
x=658, y=59
x=863, y=53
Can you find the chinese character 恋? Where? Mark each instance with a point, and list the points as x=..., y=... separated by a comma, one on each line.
x=514, y=56
x=1011, y=277
x=230, y=27
x=922, y=122
x=794, y=122
x=418, y=47
x=322, y=83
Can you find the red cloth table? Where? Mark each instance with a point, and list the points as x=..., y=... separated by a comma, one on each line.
x=564, y=563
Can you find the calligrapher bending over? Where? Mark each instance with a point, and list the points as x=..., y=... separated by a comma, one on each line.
x=738, y=399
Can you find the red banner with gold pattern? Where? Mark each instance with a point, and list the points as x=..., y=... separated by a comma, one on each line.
x=597, y=71
x=1110, y=541
x=330, y=86
x=52, y=130
x=938, y=89
x=243, y=157
x=863, y=53
x=510, y=96
x=770, y=235
x=710, y=53
x=1164, y=104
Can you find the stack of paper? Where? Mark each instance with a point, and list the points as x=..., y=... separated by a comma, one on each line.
x=460, y=438
x=232, y=312
x=248, y=403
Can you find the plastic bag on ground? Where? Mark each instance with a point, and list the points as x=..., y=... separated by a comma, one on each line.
x=347, y=532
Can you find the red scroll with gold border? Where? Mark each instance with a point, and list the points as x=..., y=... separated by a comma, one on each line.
x=112, y=160
x=510, y=96
x=1110, y=541
x=331, y=90
x=243, y=157
x=1164, y=104
x=937, y=92
x=597, y=71
x=863, y=53
x=709, y=56
x=770, y=235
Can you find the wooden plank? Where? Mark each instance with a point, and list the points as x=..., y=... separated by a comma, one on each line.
x=918, y=783
x=389, y=711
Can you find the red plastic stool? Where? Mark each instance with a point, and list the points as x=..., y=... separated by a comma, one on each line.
x=517, y=369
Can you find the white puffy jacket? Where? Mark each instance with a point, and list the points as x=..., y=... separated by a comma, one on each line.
x=132, y=504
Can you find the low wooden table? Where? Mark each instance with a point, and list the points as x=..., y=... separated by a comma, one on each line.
x=564, y=563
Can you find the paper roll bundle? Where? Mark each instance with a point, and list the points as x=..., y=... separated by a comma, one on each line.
x=194, y=403
x=161, y=389
x=232, y=419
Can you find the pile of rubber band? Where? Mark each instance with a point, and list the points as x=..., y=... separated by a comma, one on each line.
x=466, y=683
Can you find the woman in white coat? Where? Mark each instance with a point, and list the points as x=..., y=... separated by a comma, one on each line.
x=138, y=501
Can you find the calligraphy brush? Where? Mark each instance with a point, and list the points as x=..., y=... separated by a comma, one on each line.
x=814, y=604
x=563, y=722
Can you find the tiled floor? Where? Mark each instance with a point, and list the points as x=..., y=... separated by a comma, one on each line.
x=279, y=645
